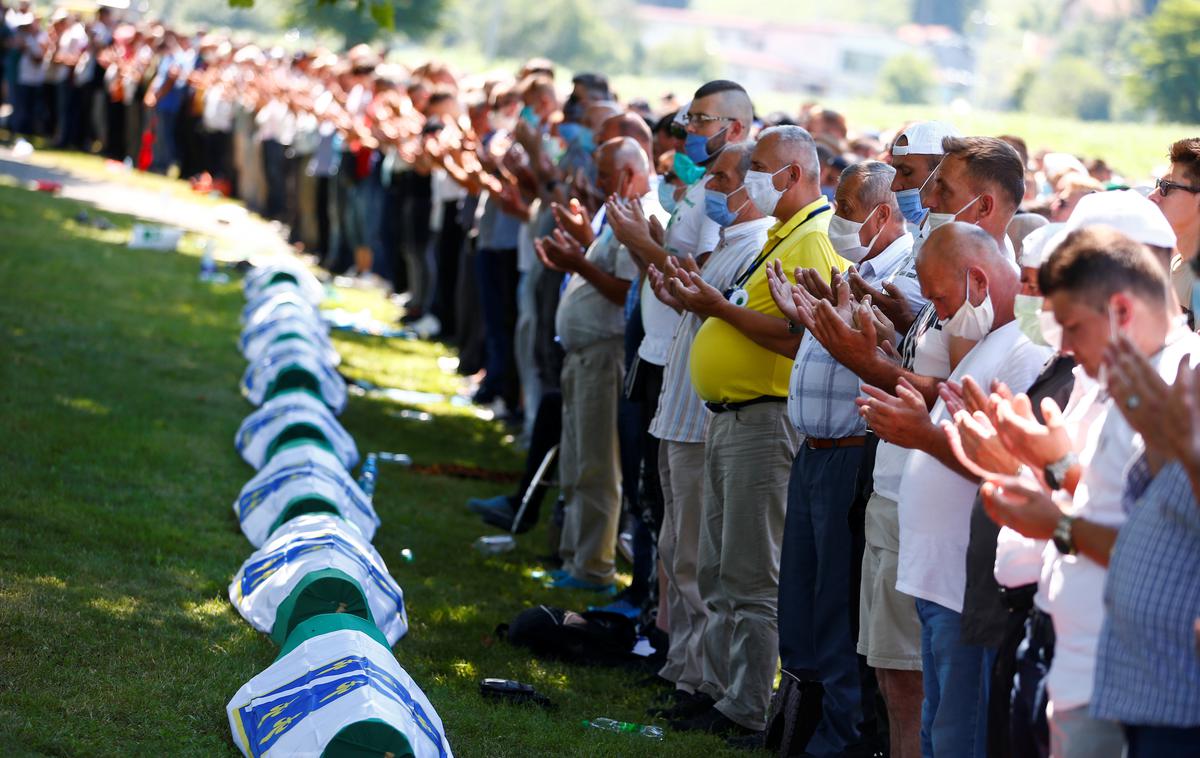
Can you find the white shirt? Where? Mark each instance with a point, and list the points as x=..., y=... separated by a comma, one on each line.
x=689, y=232
x=935, y=502
x=31, y=71
x=1073, y=585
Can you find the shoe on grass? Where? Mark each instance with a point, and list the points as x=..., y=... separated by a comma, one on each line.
x=689, y=706
x=712, y=721
x=568, y=582
x=500, y=505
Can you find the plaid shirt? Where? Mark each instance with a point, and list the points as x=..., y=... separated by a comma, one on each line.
x=822, y=391
x=681, y=415
x=1148, y=669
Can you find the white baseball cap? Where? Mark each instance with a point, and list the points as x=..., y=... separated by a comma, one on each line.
x=925, y=138
x=1035, y=248
x=1128, y=212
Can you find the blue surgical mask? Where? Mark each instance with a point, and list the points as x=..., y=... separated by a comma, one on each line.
x=686, y=169
x=578, y=134
x=696, y=146
x=716, y=207
x=666, y=196
x=910, y=205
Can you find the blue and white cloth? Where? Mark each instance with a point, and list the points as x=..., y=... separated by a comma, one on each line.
x=310, y=543
x=298, y=704
x=260, y=429
x=289, y=355
x=280, y=275
x=304, y=471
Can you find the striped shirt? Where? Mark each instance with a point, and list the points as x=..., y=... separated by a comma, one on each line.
x=1147, y=669
x=681, y=415
x=822, y=391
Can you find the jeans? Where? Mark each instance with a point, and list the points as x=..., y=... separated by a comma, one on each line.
x=816, y=643
x=956, y=677
x=1153, y=741
x=496, y=273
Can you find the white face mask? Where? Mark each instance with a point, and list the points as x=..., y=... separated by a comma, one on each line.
x=846, y=237
x=971, y=322
x=934, y=220
x=1052, y=332
x=1027, y=310
x=760, y=186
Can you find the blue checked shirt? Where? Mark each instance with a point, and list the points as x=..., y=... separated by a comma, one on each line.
x=1148, y=669
x=681, y=415
x=821, y=391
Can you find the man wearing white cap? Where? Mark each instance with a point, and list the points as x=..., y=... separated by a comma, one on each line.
x=1097, y=288
x=915, y=156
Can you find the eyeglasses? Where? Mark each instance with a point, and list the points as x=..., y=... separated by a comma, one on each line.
x=700, y=119
x=1164, y=187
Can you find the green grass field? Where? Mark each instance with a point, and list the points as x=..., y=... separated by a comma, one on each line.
x=117, y=538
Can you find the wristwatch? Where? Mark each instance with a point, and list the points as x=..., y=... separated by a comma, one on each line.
x=794, y=328
x=1062, y=536
x=1056, y=472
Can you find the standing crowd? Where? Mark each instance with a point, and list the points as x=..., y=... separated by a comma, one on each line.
x=913, y=416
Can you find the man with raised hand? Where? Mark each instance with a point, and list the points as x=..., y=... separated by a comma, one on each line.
x=972, y=287
x=681, y=423
x=740, y=362
x=590, y=321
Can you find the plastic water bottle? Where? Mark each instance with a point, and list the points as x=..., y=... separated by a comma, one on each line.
x=611, y=725
x=366, y=475
x=495, y=545
x=208, y=266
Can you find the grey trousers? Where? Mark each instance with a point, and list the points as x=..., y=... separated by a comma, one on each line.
x=748, y=457
x=681, y=474
x=589, y=466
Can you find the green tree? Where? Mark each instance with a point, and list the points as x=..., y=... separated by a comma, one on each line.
x=1070, y=86
x=907, y=78
x=685, y=55
x=364, y=20
x=1168, y=62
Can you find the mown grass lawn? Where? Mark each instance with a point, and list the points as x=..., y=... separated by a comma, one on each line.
x=118, y=405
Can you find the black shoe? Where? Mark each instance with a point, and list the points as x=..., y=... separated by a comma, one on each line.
x=751, y=741
x=666, y=702
x=689, y=707
x=712, y=721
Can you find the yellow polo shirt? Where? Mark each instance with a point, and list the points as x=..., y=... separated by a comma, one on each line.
x=729, y=367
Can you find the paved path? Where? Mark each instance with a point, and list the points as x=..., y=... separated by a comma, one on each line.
x=224, y=220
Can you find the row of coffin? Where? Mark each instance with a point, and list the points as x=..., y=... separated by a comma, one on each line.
x=315, y=583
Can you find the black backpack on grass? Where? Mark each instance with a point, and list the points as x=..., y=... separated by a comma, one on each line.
x=594, y=637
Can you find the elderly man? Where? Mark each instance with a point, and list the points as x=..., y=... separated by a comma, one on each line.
x=969, y=283
x=590, y=321
x=681, y=423
x=816, y=643
x=740, y=363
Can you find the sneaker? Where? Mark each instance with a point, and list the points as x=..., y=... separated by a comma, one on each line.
x=568, y=582
x=689, y=707
x=500, y=505
x=712, y=721
x=427, y=326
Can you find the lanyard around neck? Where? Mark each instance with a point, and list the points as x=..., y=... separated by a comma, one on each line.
x=762, y=258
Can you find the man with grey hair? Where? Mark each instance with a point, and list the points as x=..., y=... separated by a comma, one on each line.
x=816, y=643
x=739, y=365
x=590, y=322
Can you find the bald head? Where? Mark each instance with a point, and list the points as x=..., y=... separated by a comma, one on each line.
x=622, y=168
x=597, y=113
x=627, y=124
x=958, y=253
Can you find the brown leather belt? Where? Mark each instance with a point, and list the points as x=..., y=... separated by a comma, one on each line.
x=817, y=444
x=723, y=407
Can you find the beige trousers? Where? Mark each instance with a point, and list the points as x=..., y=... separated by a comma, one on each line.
x=589, y=466
x=748, y=458
x=681, y=474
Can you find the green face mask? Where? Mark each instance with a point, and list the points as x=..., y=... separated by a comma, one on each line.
x=1026, y=309
x=686, y=169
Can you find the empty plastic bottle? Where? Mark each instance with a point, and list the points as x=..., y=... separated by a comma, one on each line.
x=366, y=475
x=611, y=725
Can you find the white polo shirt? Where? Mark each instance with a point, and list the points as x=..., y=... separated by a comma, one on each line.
x=935, y=501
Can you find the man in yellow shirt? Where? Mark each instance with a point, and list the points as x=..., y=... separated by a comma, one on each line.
x=740, y=364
